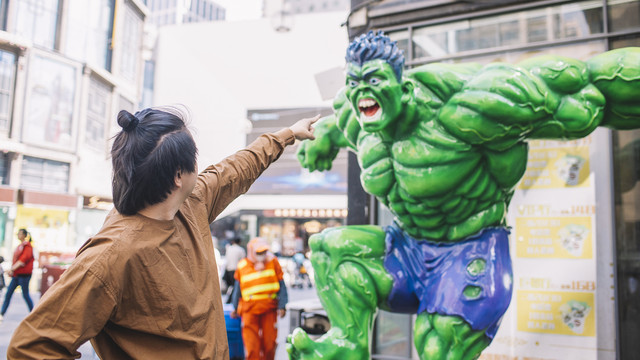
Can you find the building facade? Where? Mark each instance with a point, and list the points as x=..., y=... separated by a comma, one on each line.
x=271, y=7
x=172, y=12
x=601, y=206
x=66, y=68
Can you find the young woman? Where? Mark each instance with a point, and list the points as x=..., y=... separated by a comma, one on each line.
x=20, y=271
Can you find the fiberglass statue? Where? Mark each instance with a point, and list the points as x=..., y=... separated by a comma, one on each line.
x=443, y=146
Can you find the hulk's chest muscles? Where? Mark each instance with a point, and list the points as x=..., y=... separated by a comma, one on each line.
x=430, y=163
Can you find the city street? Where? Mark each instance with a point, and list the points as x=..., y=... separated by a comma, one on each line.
x=18, y=310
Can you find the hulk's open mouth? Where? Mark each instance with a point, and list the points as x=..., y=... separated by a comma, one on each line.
x=368, y=107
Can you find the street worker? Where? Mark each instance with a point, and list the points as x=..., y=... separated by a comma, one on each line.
x=260, y=299
x=144, y=286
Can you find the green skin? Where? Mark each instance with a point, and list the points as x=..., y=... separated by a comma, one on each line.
x=443, y=149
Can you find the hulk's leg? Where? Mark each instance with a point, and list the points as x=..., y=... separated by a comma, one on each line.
x=351, y=282
x=465, y=297
x=447, y=337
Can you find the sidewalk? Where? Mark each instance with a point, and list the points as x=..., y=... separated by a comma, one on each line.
x=17, y=311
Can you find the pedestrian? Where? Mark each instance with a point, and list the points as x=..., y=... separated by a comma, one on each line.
x=142, y=287
x=235, y=253
x=2, y=283
x=259, y=300
x=20, y=271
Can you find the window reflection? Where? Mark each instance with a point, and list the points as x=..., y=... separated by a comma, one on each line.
x=89, y=31
x=51, y=94
x=626, y=175
x=532, y=26
x=131, y=43
x=37, y=21
x=44, y=175
x=7, y=76
x=97, y=115
x=624, y=15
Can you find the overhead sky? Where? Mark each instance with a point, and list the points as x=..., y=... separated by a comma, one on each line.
x=241, y=9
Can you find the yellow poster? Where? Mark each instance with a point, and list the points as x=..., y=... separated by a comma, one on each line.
x=562, y=237
x=48, y=227
x=556, y=167
x=556, y=312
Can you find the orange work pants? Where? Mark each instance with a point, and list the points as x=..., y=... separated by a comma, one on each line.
x=259, y=333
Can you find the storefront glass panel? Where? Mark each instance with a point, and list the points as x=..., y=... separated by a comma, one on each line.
x=623, y=15
x=626, y=173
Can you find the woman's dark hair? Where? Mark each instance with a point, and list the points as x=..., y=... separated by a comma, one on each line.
x=153, y=146
x=26, y=234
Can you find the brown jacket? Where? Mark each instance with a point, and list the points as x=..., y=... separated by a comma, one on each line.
x=144, y=288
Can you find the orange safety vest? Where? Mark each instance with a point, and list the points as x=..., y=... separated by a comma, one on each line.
x=259, y=285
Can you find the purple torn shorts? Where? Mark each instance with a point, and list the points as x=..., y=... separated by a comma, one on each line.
x=432, y=277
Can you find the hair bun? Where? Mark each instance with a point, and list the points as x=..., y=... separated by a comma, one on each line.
x=127, y=121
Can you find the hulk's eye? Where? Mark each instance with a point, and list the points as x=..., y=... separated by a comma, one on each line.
x=352, y=83
x=374, y=81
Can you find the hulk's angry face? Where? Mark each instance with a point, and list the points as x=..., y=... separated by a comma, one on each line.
x=375, y=93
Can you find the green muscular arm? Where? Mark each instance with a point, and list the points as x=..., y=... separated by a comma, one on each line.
x=546, y=97
x=332, y=133
x=616, y=74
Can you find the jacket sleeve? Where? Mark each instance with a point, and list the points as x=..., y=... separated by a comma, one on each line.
x=72, y=311
x=27, y=254
x=218, y=185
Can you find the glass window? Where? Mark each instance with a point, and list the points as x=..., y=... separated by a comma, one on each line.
x=579, y=19
x=44, y=175
x=89, y=31
x=131, y=43
x=3, y=14
x=626, y=148
x=97, y=115
x=624, y=14
x=7, y=76
x=5, y=163
x=147, y=88
x=37, y=21
x=434, y=41
x=626, y=176
x=537, y=29
x=50, y=102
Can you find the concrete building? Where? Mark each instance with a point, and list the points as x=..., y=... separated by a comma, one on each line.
x=66, y=68
x=273, y=7
x=172, y=12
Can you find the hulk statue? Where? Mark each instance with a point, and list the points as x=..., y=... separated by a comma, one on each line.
x=443, y=146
